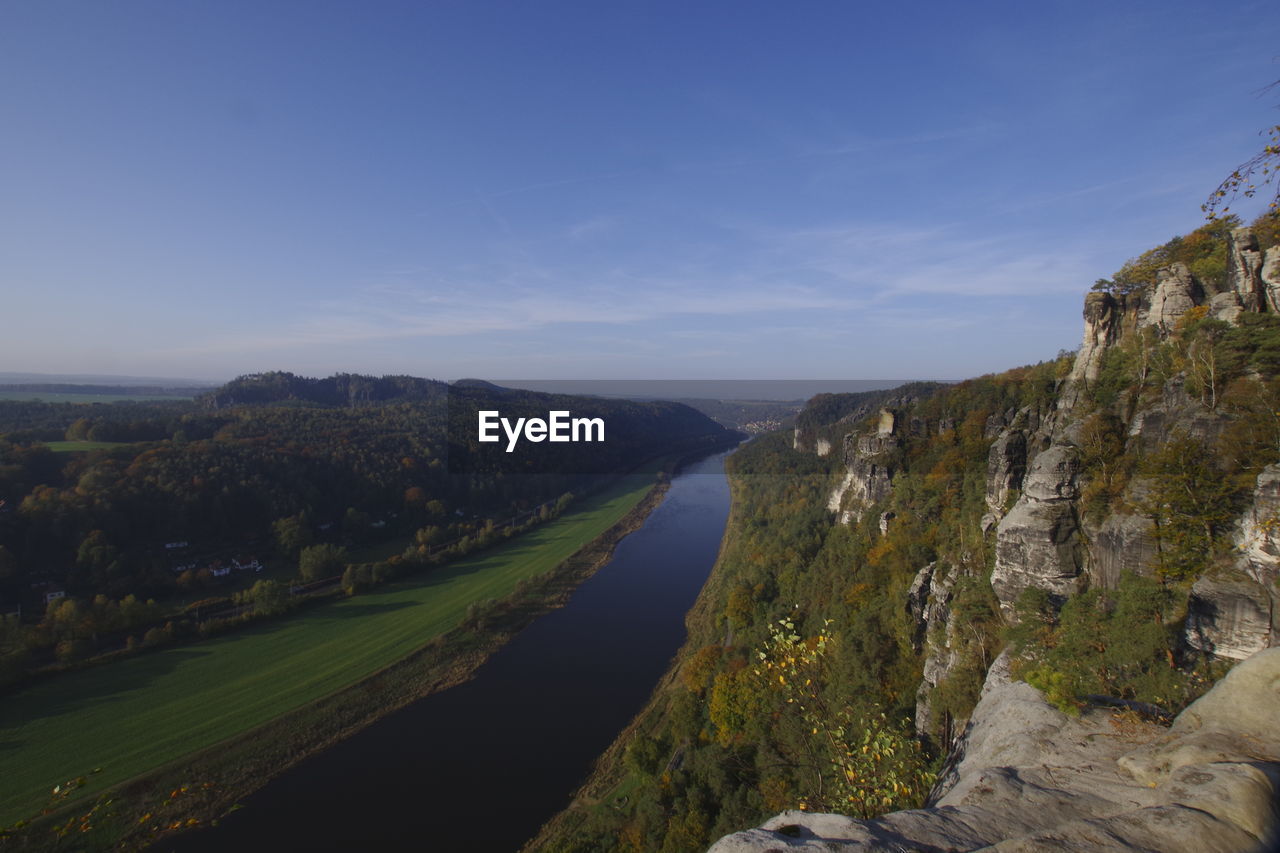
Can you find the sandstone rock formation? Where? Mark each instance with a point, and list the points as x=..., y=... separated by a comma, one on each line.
x=1123, y=543
x=1270, y=276
x=1102, y=314
x=821, y=439
x=1243, y=271
x=1006, y=466
x=929, y=602
x=1042, y=542
x=1026, y=777
x=1230, y=615
x=868, y=477
x=1235, y=610
x=1176, y=293
x=1038, y=543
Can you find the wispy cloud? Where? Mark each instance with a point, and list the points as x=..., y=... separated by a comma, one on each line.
x=792, y=149
x=887, y=261
x=396, y=312
x=587, y=229
x=825, y=279
x=555, y=184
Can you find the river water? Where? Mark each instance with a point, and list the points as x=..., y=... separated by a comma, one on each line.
x=482, y=766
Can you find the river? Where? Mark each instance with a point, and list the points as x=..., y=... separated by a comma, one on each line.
x=482, y=766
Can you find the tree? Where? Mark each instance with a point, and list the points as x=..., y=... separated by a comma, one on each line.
x=134, y=612
x=292, y=533
x=356, y=524
x=646, y=755
x=1118, y=642
x=64, y=619
x=1191, y=503
x=321, y=561
x=98, y=555
x=859, y=763
x=357, y=579
x=429, y=536
x=8, y=565
x=13, y=648
x=267, y=598
x=1203, y=351
x=1261, y=169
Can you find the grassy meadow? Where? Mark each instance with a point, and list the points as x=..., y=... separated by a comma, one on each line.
x=137, y=714
x=82, y=446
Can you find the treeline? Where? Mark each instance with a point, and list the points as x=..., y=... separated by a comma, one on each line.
x=341, y=389
x=1204, y=252
x=26, y=421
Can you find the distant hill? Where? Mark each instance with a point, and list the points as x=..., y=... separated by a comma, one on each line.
x=751, y=416
x=341, y=389
x=479, y=383
x=62, y=390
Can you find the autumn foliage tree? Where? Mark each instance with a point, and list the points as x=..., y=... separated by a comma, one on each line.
x=321, y=561
x=860, y=762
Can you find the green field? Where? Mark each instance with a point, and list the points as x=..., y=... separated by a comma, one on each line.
x=137, y=714
x=80, y=446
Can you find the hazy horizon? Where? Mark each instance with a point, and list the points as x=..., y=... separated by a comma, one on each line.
x=782, y=390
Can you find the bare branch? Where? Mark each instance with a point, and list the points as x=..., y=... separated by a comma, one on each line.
x=1257, y=171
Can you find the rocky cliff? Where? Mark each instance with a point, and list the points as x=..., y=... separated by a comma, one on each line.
x=1045, y=541
x=1063, y=514
x=827, y=418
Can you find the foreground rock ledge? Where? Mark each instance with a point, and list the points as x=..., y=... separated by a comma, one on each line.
x=1027, y=777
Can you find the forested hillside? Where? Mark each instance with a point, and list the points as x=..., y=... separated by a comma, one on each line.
x=116, y=518
x=802, y=645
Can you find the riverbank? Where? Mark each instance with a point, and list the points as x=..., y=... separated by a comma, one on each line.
x=212, y=780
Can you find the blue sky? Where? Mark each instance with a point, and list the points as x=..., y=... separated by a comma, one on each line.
x=598, y=189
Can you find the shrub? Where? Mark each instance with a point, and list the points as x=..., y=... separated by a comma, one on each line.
x=72, y=649
x=646, y=755
x=1121, y=643
x=267, y=598
x=155, y=637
